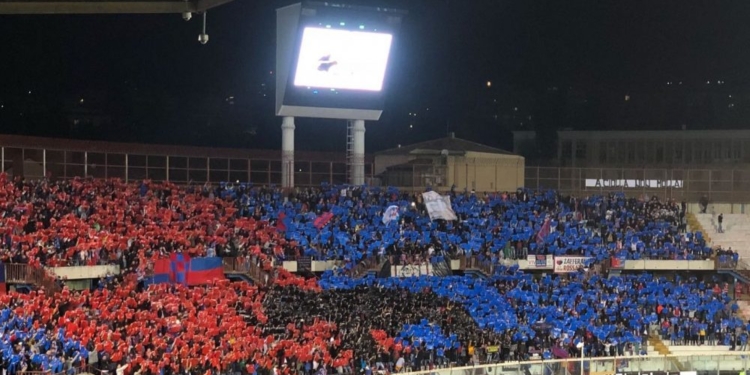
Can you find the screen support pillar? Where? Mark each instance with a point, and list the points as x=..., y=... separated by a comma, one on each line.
x=358, y=152
x=287, y=152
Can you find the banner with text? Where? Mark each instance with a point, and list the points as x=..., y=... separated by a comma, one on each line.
x=539, y=262
x=567, y=264
x=412, y=270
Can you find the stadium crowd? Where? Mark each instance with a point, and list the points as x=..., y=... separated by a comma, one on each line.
x=87, y=222
x=338, y=323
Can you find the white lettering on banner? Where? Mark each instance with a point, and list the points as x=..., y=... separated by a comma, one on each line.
x=569, y=264
x=633, y=184
x=438, y=207
x=537, y=261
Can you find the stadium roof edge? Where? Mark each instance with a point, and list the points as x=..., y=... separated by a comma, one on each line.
x=107, y=7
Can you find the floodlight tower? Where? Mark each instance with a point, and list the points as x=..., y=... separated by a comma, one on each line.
x=331, y=62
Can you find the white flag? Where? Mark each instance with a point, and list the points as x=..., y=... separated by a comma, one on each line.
x=438, y=207
x=390, y=214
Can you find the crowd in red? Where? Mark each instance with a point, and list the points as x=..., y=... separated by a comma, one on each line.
x=88, y=222
x=163, y=329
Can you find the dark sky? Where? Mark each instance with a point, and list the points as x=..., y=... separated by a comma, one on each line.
x=159, y=84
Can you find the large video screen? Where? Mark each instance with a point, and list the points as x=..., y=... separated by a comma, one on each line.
x=342, y=59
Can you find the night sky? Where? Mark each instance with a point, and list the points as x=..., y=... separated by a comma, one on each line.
x=552, y=65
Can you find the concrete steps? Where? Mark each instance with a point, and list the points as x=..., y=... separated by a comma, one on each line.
x=663, y=349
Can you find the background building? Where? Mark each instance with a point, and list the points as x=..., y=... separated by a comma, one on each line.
x=654, y=148
x=450, y=161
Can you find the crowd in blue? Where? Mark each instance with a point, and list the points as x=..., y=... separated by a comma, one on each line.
x=496, y=226
x=548, y=316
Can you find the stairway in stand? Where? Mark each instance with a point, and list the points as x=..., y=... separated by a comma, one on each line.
x=441, y=267
x=304, y=264
x=744, y=310
x=736, y=234
x=662, y=349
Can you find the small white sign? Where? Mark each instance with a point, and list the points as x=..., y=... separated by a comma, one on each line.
x=633, y=183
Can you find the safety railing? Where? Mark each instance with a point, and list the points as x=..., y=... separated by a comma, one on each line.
x=18, y=273
x=252, y=266
x=725, y=262
x=363, y=267
x=707, y=362
x=472, y=262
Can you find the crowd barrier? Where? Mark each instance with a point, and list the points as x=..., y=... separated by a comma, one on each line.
x=16, y=273
x=716, y=362
x=250, y=266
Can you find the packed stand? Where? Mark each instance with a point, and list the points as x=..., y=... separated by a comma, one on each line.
x=347, y=324
x=517, y=316
x=87, y=222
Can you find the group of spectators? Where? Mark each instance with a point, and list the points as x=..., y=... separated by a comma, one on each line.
x=88, y=222
x=338, y=323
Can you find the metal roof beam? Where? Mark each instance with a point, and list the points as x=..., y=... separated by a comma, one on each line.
x=106, y=7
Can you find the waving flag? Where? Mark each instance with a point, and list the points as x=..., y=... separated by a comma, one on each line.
x=390, y=214
x=544, y=232
x=438, y=207
x=204, y=270
x=162, y=272
x=180, y=264
x=322, y=220
x=280, y=225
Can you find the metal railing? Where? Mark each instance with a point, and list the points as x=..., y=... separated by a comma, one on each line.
x=252, y=266
x=709, y=362
x=16, y=273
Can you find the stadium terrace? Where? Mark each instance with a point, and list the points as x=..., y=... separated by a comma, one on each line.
x=171, y=309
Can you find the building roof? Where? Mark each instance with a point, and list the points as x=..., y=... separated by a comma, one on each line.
x=411, y=164
x=436, y=146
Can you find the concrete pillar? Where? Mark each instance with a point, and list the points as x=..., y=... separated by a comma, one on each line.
x=358, y=152
x=287, y=152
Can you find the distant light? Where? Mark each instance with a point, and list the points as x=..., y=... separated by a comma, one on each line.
x=315, y=92
x=489, y=84
x=515, y=109
x=361, y=27
x=411, y=126
x=627, y=98
x=334, y=90
x=328, y=26
x=399, y=145
x=29, y=92
x=708, y=82
x=342, y=24
x=300, y=170
x=2, y=106
x=271, y=72
x=730, y=96
x=81, y=101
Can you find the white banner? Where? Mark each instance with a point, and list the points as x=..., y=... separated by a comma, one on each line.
x=636, y=184
x=438, y=207
x=567, y=264
x=412, y=270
